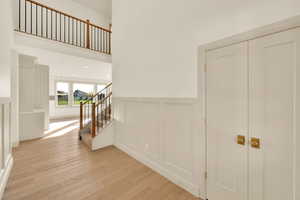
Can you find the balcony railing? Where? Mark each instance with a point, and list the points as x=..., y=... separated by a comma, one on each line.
x=42, y=21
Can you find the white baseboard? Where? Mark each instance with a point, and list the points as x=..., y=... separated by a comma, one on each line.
x=5, y=175
x=193, y=189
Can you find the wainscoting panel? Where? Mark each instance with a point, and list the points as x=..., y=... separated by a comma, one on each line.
x=5, y=143
x=6, y=136
x=178, y=134
x=164, y=134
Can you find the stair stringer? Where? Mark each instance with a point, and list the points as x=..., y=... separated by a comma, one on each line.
x=104, y=139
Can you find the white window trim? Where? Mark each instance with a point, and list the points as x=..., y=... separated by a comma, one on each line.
x=56, y=98
x=70, y=94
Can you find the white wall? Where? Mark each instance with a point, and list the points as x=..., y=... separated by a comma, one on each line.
x=15, y=100
x=6, y=160
x=6, y=61
x=103, y=6
x=155, y=42
x=155, y=46
x=6, y=41
x=78, y=10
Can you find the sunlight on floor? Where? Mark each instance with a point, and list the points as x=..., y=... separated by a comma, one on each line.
x=54, y=126
x=62, y=132
x=59, y=128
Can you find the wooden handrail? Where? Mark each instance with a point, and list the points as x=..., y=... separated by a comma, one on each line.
x=97, y=94
x=46, y=22
x=63, y=13
x=99, y=27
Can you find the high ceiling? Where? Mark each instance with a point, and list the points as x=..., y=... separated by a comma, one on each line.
x=102, y=6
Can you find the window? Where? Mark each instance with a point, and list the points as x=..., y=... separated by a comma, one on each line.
x=62, y=93
x=100, y=87
x=69, y=93
x=81, y=92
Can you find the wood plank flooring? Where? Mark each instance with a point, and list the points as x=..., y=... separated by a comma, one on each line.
x=62, y=168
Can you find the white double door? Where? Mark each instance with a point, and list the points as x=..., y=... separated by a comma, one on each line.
x=253, y=93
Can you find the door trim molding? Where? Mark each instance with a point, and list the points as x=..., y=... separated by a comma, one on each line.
x=277, y=27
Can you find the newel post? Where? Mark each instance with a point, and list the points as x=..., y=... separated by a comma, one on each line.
x=81, y=115
x=88, y=45
x=93, y=129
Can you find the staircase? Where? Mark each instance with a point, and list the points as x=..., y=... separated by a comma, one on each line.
x=96, y=119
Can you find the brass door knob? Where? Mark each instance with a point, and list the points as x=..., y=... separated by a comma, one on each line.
x=241, y=140
x=255, y=143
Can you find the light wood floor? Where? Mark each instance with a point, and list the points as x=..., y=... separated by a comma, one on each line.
x=61, y=168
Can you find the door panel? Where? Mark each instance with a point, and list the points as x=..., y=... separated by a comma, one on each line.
x=273, y=116
x=227, y=100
